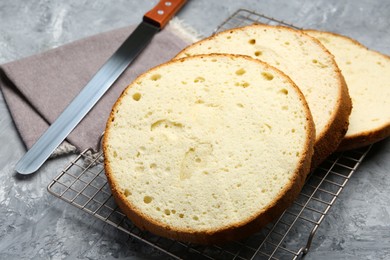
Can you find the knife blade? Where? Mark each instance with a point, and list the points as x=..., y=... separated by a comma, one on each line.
x=152, y=22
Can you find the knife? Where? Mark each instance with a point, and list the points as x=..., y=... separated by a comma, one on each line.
x=152, y=22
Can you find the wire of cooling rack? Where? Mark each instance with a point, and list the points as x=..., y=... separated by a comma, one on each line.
x=244, y=17
x=83, y=184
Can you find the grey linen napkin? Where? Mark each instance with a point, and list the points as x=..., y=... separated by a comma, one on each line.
x=38, y=88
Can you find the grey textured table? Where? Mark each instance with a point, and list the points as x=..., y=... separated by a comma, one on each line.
x=36, y=225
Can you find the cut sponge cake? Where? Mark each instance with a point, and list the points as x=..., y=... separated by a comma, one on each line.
x=367, y=74
x=209, y=148
x=306, y=61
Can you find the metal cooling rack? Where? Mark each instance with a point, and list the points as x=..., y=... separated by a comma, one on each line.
x=83, y=184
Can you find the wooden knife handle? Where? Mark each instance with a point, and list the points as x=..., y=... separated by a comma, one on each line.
x=163, y=12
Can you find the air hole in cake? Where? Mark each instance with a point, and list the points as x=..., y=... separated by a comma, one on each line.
x=137, y=96
x=240, y=105
x=139, y=168
x=258, y=53
x=198, y=160
x=238, y=166
x=252, y=41
x=284, y=107
x=320, y=64
x=199, y=79
x=240, y=72
x=173, y=211
x=199, y=101
x=264, y=129
x=167, y=212
x=242, y=84
x=267, y=75
x=164, y=124
x=181, y=215
x=195, y=218
x=287, y=43
x=148, y=199
x=153, y=166
x=284, y=91
x=127, y=192
x=155, y=77
x=148, y=114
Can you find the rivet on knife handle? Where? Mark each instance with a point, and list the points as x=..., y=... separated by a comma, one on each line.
x=163, y=12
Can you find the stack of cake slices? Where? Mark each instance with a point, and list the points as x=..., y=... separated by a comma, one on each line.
x=215, y=144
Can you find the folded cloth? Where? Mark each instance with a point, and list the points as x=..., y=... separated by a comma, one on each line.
x=38, y=88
